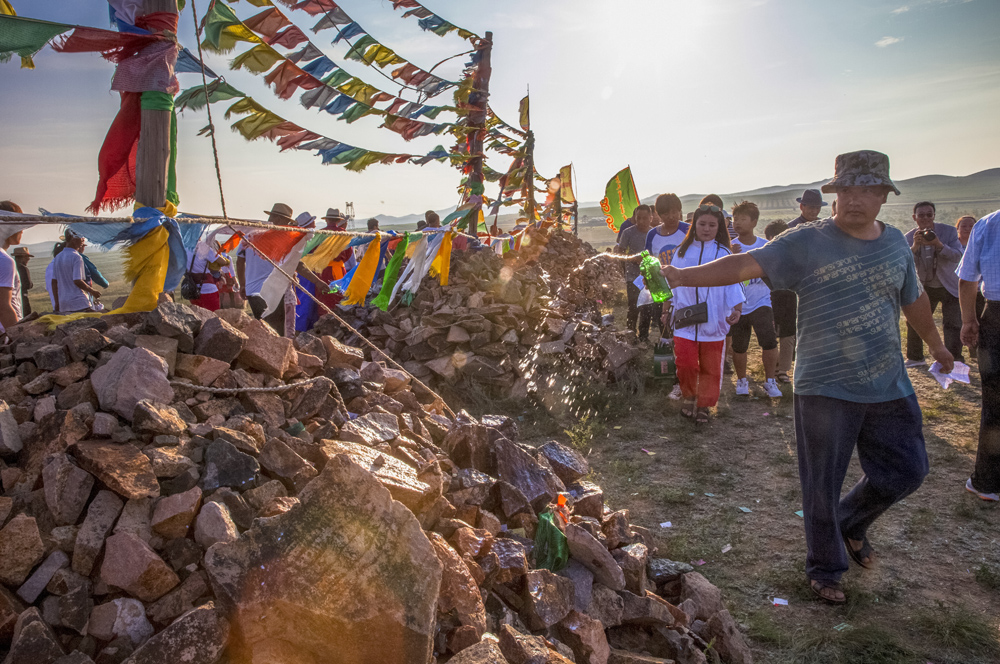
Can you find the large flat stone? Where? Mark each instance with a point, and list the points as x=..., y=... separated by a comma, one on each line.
x=220, y=340
x=132, y=374
x=21, y=549
x=130, y=564
x=10, y=439
x=399, y=478
x=123, y=468
x=197, y=637
x=348, y=566
x=371, y=429
x=459, y=592
x=67, y=488
x=589, y=551
x=265, y=351
x=514, y=465
x=101, y=516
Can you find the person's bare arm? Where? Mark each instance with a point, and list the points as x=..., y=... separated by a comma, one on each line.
x=7, y=316
x=54, y=285
x=918, y=315
x=967, y=299
x=241, y=274
x=723, y=272
x=308, y=274
x=82, y=285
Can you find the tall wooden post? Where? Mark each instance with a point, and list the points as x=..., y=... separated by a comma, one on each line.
x=479, y=99
x=529, y=177
x=154, y=138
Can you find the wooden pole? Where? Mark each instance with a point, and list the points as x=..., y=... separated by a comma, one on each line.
x=529, y=177
x=154, y=138
x=480, y=99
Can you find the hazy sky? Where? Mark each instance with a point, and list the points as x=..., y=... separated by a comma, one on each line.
x=697, y=95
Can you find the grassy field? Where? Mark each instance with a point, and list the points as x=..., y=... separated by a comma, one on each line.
x=933, y=597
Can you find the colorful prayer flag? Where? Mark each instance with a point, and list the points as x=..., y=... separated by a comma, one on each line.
x=620, y=199
x=566, y=188
x=523, y=112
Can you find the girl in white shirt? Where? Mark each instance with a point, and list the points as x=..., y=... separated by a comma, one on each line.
x=699, y=349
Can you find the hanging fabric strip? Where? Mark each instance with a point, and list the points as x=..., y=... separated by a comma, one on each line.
x=290, y=38
x=417, y=10
x=308, y=52
x=187, y=63
x=26, y=37
x=391, y=274
x=267, y=23
x=194, y=98
x=331, y=247
x=116, y=160
x=316, y=7
x=277, y=284
x=257, y=60
x=441, y=267
x=276, y=243
x=358, y=289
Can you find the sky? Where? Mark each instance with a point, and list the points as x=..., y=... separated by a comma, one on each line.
x=695, y=95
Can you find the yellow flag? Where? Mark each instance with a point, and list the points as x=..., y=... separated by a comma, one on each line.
x=324, y=254
x=442, y=263
x=525, y=121
x=566, y=184
x=361, y=283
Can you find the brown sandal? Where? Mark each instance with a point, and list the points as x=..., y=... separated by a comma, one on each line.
x=702, y=416
x=688, y=408
x=822, y=588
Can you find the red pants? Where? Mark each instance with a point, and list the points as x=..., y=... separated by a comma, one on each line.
x=699, y=369
x=208, y=301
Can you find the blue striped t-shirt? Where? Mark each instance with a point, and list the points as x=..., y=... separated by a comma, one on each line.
x=850, y=293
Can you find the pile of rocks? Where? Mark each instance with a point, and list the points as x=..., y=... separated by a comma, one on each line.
x=323, y=509
x=528, y=323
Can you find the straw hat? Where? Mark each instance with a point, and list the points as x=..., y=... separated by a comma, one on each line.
x=22, y=251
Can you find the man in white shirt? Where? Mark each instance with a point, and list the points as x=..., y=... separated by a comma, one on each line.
x=10, y=285
x=252, y=270
x=69, y=284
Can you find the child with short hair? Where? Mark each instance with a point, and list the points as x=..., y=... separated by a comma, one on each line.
x=757, y=313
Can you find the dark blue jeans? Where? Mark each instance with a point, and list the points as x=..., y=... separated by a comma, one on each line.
x=986, y=477
x=890, y=444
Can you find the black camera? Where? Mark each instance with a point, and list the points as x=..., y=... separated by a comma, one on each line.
x=926, y=235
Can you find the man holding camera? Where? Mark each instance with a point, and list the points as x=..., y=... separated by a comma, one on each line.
x=937, y=252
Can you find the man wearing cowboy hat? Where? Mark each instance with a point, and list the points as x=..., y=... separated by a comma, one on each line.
x=69, y=278
x=811, y=203
x=852, y=274
x=10, y=280
x=21, y=258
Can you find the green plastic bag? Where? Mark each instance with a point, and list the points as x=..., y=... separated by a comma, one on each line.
x=551, y=549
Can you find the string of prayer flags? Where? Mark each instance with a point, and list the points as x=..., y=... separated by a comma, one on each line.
x=222, y=29
x=332, y=246
x=620, y=199
x=25, y=37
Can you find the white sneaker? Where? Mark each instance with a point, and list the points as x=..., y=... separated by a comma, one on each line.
x=915, y=363
x=742, y=387
x=675, y=394
x=991, y=497
x=772, y=389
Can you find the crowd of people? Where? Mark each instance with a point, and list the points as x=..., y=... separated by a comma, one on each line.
x=832, y=289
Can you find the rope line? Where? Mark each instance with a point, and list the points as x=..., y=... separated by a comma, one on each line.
x=294, y=282
x=208, y=107
x=238, y=390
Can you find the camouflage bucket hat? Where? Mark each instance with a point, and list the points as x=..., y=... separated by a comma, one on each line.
x=864, y=168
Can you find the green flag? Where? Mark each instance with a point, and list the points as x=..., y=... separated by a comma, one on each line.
x=620, y=199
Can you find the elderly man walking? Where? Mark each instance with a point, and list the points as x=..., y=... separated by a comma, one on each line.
x=853, y=274
x=936, y=251
x=982, y=261
x=811, y=203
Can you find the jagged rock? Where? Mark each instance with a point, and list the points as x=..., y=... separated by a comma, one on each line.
x=506, y=561
x=548, y=598
x=64, y=581
x=632, y=560
x=122, y=468
x=606, y=606
x=518, y=648
x=130, y=564
x=33, y=642
x=214, y=525
x=277, y=506
x=197, y=637
x=157, y=419
x=706, y=599
x=312, y=400
x=645, y=610
x=33, y=587
x=371, y=429
x=568, y=464
x=588, y=499
x=220, y=340
x=122, y=617
x=10, y=609
x=241, y=441
x=260, y=496
x=284, y=464
x=585, y=636
x=662, y=570
x=722, y=632
x=468, y=445
x=101, y=516
x=173, y=515
x=585, y=548
x=377, y=598
x=473, y=542
x=239, y=511
x=69, y=374
x=132, y=374
x=67, y=488
x=339, y=355
x=399, y=478
x=51, y=357
x=10, y=438
x=200, y=369
x=265, y=351
x=459, y=592
x=616, y=529
x=227, y=466
x=515, y=466
x=75, y=607
x=178, y=600
x=486, y=651
x=168, y=462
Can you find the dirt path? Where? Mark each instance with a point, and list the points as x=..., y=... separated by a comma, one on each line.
x=934, y=597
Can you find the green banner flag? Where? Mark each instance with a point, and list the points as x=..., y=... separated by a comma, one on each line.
x=620, y=199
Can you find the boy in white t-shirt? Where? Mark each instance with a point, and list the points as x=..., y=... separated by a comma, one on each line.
x=757, y=313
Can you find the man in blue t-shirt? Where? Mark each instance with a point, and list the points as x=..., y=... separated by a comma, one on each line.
x=853, y=275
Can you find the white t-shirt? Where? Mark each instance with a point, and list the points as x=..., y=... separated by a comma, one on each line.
x=721, y=299
x=67, y=267
x=757, y=293
x=256, y=270
x=48, y=285
x=663, y=246
x=10, y=279
x=203, y=255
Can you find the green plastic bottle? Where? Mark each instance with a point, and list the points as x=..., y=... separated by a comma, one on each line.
x=657, y=284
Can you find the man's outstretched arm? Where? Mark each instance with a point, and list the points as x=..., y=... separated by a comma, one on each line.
x=727, y=270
